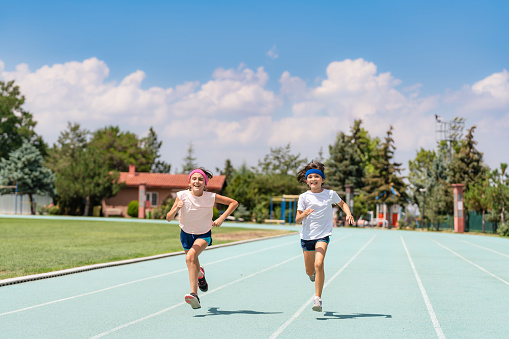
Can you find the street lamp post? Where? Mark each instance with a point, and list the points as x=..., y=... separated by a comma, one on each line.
x=423, y=190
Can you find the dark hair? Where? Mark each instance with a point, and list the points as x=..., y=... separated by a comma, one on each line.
x=207, y=173
x=301, y=175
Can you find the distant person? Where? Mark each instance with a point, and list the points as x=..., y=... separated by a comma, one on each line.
x=196, y=205
x=314, y=210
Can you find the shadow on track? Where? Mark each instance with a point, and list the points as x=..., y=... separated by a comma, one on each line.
x=216, y=311
x=337, y=316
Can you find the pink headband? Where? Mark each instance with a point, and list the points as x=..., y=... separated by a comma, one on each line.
x=201, y=172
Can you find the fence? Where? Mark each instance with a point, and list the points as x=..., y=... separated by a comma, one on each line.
x=20, y=204
x=474, y=223
x=446, y=224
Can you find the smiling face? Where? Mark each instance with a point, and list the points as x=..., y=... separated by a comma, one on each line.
x=197, y=184
x=315, y=182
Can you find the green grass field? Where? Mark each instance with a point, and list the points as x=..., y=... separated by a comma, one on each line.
x=31, y=246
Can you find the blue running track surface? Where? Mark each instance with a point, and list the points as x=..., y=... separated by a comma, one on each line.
x=378, y=284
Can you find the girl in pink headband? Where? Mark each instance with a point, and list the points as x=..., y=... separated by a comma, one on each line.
x=196, y=206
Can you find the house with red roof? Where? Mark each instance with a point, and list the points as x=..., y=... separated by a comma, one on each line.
x=151, y=190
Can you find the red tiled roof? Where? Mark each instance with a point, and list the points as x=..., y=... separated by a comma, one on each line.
x=165, y=180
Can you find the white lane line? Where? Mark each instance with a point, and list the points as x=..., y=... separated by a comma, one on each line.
x=182, y=303
x=470, y=262
x=486, y=248
x=307, y=303
x=140, y=280
x=432, y=314
x=212, y=291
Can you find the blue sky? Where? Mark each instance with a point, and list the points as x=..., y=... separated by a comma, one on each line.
x=236, y=78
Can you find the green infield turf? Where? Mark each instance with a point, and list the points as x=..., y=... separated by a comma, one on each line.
x=35, y=245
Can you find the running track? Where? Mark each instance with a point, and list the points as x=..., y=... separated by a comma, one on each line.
x=379, y=284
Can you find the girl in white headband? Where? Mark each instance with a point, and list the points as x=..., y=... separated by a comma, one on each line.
x=314, y=210
x=196, y=224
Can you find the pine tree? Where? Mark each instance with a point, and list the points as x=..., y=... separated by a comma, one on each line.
x=385, y=185
x=25, y=168
x=189, y=160
x=348, y=158
x=467, y=166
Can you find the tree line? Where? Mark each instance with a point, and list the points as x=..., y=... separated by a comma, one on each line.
x=83, y=167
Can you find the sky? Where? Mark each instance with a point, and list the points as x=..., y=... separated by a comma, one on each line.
x=237, y=78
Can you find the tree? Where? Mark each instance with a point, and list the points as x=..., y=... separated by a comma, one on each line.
x=438, y=189
x=384, y=185
x=228, y=170
x=467, y=166
x=152, y=143
x=418, y=171
x=82, y=175
x=16, y=124
x=348, y=158
x=189, y=160
x=499, y=182
x=25, y=168
x=121, y=149
x=280, y=160
x=242, y=187
x=477, y=198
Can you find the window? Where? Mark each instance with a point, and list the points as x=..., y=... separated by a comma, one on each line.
x=153, y=198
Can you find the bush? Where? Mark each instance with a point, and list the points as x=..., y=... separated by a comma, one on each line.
x=503, y=229
x=242, y=213
x=215, y=213
x=132, y=209
x=50, y=209
x=54, y=210
x=260, y=213
x=160, y=211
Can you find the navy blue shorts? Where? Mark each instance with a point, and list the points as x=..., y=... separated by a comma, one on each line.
x=309, y=245
x=187, y=239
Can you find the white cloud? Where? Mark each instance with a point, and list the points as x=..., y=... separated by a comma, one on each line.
x=234, y=115
x=231, y=93
x=272, y=53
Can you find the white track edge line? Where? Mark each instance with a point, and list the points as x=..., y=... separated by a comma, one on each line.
x=471, y=263
x=431, y=312
x=485, y=248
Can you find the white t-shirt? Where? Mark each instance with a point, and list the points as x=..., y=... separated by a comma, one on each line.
x=196, y=214
x=319, y=223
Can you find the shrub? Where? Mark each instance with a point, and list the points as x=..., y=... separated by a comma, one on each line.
x=260, y=213
x=50, y=209
x=53, y=210
x=132, y=209
x=503, y=229
x=241, y=213
x=160, y=211
x=215, y=213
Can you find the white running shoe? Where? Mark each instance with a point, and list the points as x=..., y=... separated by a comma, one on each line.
x=312, y=277
x=193, y=300
x=317, y=304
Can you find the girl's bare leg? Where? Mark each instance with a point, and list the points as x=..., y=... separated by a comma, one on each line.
x=320, y=250
x=309, y=262
x=193, y=264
